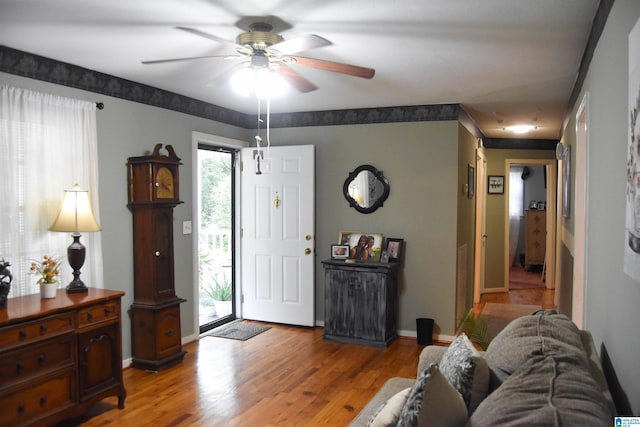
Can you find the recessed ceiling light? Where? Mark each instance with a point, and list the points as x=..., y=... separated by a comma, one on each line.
x=520, y=128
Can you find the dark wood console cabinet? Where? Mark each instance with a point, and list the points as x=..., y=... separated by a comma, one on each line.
x=59, y=356
x=361, y=302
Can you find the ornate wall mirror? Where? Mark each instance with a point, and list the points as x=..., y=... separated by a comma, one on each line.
x=366, y=189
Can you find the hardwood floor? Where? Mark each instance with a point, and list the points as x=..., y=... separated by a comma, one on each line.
x=286, y=376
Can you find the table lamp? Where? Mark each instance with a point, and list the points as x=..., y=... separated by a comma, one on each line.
x=75, y=216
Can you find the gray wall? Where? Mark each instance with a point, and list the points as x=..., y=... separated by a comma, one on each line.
x=420, y=161
x=611, y=297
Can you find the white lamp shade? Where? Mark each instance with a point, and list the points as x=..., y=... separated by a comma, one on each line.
x=75, y=214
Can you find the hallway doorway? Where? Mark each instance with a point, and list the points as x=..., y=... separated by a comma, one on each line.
x=530, y=224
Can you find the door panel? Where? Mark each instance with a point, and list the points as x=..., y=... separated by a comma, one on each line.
x=277, y=235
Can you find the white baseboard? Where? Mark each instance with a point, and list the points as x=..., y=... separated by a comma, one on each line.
x=411, y=334
x=436, y=337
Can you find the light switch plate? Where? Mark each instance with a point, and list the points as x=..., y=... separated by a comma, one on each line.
x=186, y=227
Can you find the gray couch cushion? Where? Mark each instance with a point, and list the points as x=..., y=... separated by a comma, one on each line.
x=544, y=391
x=544, y=333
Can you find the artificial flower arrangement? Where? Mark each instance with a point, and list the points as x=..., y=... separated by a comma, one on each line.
x=48, y=269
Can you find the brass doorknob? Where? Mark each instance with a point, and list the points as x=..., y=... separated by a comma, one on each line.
x=307, y=251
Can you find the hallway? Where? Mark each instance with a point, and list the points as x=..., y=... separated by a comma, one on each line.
x=539, y=295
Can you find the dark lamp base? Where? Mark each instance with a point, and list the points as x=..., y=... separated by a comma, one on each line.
x=75, y=255
x=76, y=287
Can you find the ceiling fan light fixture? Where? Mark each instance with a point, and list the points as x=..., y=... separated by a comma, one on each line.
x=520, y=128
x=261, y=82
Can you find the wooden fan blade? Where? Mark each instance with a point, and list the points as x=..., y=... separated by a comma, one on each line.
x=336, y=67
x=160, y=61
x=299, y=44
x=296, y=80
x=234, y=45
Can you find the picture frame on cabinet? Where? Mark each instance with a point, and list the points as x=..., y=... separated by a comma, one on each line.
x=364, y=247
x=394, y=247
x=495, y=184
x=339, y=251
x=344, y=237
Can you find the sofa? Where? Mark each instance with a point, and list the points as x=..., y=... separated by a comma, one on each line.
x=540, y=370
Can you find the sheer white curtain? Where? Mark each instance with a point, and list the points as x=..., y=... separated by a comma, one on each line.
x=47, y=144
x=516, y=206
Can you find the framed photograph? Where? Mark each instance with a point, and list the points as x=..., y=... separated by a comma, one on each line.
x=344, y=237
x=496, y=184
x=384, y=257
x=394, y=248
x=339, y=251
x=365, y=247
x=471, y=181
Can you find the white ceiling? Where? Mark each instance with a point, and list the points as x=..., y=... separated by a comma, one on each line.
x=504, y=61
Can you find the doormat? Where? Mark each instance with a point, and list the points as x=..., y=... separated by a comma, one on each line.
x=238, y=331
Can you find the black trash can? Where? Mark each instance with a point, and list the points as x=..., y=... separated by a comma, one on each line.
x=424, y=331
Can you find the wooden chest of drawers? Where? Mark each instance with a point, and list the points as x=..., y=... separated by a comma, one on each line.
x=535, y=237
x=59, y=356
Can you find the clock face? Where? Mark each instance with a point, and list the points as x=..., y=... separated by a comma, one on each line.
x=164, y=184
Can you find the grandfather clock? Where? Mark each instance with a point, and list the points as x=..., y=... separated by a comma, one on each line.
x=155, y=313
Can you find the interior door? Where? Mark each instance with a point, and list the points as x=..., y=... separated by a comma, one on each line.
x=278, y=234
x=481, y=228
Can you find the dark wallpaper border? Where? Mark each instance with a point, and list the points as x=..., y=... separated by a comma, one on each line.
x=33, y=66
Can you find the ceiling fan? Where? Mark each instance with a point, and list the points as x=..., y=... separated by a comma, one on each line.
x=260, y=47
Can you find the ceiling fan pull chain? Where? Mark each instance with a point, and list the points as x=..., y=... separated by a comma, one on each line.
x=257, y=155
x=268, y=126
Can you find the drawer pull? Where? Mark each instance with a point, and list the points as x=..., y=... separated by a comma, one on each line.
x=169, y=332
x=43, y=329
x=43, y=400
x=19, y=367
x=89, y=316
x=21, y=409
x=22, y=334
x=41, y=360
x=107, y=310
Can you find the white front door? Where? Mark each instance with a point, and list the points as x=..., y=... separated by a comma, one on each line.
x=278, y=227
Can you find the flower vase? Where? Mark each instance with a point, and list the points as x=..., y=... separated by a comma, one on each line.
x=48, y=290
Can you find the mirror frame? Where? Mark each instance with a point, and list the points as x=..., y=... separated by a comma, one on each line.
x=379, y=176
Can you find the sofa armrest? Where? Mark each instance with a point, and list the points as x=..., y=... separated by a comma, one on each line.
x=430, y=354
